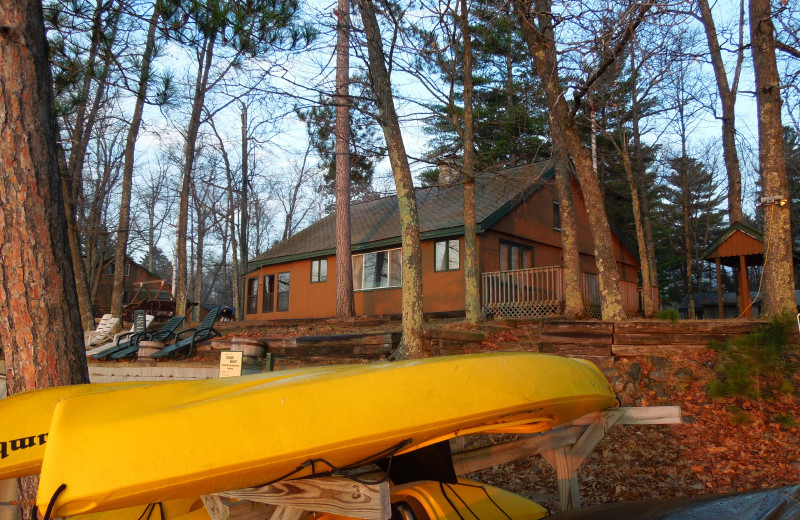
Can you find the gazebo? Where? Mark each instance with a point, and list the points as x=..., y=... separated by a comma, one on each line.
x=740, y=246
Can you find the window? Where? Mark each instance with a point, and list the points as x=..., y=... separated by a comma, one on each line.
x=268, y=298
x=556, y=216
x=283, y=292
x=377, y=270
x=127, y=268
x=446, y=255
x=319, y=270
x=252, y=295
x=515, y=256
x=111, y=269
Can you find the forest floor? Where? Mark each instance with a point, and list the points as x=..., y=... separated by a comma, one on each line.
x=712, y=451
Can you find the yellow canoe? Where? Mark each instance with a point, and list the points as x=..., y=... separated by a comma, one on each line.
x=26, y=421
x=141, y=445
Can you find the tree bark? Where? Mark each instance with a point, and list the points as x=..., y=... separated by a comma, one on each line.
x=120, y=256
x=203, y=69
x=412, y=309
x=778, y=279
x=345, y=301
x=41, y=330
x=541, y=45
x=471, y=291
x=727, y=95
x=573, y=301
x=244, y=249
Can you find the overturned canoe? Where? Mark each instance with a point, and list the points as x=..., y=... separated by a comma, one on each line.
x=145, y=444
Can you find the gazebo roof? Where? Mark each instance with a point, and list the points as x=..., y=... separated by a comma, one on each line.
x=737, y=241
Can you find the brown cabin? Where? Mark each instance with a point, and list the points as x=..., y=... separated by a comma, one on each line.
x=519, y=254
x=135, y=274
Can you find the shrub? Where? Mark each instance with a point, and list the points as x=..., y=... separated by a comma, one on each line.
x=760, y=365
x=669, y=315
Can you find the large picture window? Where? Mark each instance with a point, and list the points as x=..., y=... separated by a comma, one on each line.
x=446, y=255
x=283, y=291
x=319, y=270
x=377, y=270
x=515, y=256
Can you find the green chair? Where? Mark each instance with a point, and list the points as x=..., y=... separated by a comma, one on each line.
x=141, y=321
x=166, y=333
x=203, y=332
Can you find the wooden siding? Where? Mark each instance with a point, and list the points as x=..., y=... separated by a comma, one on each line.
x=105, y=286
x=306, y=299
x=738, y=244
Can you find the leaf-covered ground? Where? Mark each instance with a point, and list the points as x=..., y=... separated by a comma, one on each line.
x=713, y=451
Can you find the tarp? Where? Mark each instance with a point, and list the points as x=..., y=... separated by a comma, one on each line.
x=763, y=504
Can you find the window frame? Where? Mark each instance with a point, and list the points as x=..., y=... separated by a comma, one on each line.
x=268, y=293
x=279, y=303
x=523, y=248
x=252, y=295
x=446, y=258
x=320, y=277
x=394, y=280
x=556, y=215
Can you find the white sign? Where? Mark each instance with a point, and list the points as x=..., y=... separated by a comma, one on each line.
x=230, y=363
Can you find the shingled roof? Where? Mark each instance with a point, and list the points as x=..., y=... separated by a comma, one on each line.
x=376, y=223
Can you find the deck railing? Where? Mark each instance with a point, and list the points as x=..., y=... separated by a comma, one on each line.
x=539, y=292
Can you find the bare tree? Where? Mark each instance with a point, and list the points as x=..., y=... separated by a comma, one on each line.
x=412, y=310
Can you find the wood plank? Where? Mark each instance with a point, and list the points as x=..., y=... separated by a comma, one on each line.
x=671, y=339
x=655, y=350
x=344, y=339
x=334, y=351
x=215, y=506
x=456, y=335
x=594, y=435
x=482, y=458
x=568, y=490
x=335, y=495
x=586, y=327
x=577, y=339
x=287, y=513
x=638, y=415
x=685, y=327
x=582, y=350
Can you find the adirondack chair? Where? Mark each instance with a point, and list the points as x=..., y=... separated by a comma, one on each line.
x=203, y=332
x=102, y=332
x=141, y=321
x=166, y=333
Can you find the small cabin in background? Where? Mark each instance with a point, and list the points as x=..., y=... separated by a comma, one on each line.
x=136, y=275
x=519, y=254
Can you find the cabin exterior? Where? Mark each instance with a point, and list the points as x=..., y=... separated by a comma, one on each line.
x=519, y=254
x=135, y=275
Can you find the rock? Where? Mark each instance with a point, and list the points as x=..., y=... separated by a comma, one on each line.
x=684, y=375
x=635, y=372
x=659, y=368
x=688, y=419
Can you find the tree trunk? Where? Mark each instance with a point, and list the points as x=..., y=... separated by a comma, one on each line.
x=471, y=290
x=778, y=279
x=41, y=330
x=345, y=302
x=728, y=97
x=243, y=219
x=573, y=301
x=412, y=310
x=120, y=257
x=203, y=69
x=541, y=45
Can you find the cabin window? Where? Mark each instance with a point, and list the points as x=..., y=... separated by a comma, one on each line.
x=446, y=255
x=377, y=270
x=283, y=292
x=268, y=299
x=515, y=256
x=319, y=270
x=111, y=269
x=556, y=216
x=252, y=295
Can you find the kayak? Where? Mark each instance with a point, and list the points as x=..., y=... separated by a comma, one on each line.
x=145, y=444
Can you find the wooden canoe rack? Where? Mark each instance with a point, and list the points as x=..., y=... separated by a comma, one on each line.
x=565, y=448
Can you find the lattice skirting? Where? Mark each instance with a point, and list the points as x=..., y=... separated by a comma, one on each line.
x=525, y=310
